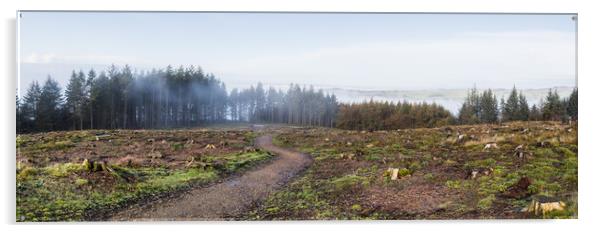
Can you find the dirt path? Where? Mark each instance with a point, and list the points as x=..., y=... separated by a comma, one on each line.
x=227, y=199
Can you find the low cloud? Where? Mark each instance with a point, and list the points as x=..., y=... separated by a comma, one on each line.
x=48, y=58
x=527, y=59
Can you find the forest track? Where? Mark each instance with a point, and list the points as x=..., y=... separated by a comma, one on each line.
x=228, y=199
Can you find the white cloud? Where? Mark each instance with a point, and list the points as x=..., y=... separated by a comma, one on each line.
x=528, y=59
x=47, y=58
x=39, y=58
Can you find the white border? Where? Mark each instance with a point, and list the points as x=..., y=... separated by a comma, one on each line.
x=590, y=131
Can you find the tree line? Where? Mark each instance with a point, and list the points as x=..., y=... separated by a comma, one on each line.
x=120, y=98
x=478, y=107
x=165, y=98
x=299, y=105
x=485, y=108
x=375, y=115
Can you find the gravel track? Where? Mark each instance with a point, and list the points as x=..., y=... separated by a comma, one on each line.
x=228, y=199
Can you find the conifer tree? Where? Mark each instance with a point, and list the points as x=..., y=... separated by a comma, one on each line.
x=572, y=105
x=552, y=107
x=49, y=106
x=489, y=107
x=511, y=109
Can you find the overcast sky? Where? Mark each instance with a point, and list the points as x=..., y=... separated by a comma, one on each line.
x=365, y=51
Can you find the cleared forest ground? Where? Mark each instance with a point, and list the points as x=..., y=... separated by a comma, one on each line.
x=456, y=172
x=87, y=175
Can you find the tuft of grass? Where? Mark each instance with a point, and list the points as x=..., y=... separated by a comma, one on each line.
x=27, y=172
x=497, y=182
x=243, y=160
x=177, y=146
x=484, y=163
x=58, y=145
x=404, y=172
x=342, y=183
x=64, y=169
x=81, y=182
x=174, y=180
x=429, y=177
x=486, y=203
x=20, y=141
x=454, y=184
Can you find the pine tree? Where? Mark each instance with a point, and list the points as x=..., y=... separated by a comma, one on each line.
x=74, y=95
x=511, y=109
x=125, y=80
x=233, y=103
x=49, y=106
x=535, y=113
x=88, y=96
x=489, y=107
x=572, y=105
x=19, y=117
x=552, y=107
x=470, y=111
x=100, y=97
x=30, y=108
x=523, y=108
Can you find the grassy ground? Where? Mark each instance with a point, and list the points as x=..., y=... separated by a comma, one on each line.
x=442, y=175
x=83, y=175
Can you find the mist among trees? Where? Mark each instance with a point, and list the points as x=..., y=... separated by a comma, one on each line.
x=120, y=98
x=165, y=98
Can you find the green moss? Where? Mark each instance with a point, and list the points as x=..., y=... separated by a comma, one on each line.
x=272, y=210
x=543, y=152
x=450, y=162
x=64, y=169
x=57, y=193
x=497, y=182
x=174, y=180
x=404, y=172
x=26, y=172
x=242, y=160
x=80, y=181
x=86, y=164
x=58, y=145
x=486, y=202
x=481, y=164
x=20, y=141
x=454, y=184
x=346, y=182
